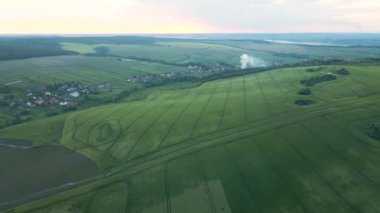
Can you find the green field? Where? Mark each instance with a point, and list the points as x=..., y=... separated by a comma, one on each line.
x=234, y=145
x=306, y=51
x=89, y=70
x=182, y=52
x=228, y=52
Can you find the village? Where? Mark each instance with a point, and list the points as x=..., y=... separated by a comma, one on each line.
x=56, y=98
x=193, y=70
x=59, y=96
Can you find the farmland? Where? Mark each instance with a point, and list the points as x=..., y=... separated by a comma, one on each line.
x=238, y=144
x=306, y=51
x=26, y=175
x=37, y=86
x=91, y=70
x=181, y=52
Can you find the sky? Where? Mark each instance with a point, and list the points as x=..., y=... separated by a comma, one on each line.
x=187, y=16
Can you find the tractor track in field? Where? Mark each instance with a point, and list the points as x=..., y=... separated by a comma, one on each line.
x=315, y=168
x=179, y=117
x=266, y=127
x=102, y=120
x=242, y=128
x=77, y=126
x=225, y=104
x=91, y=199
x=368, y=147
x=255, y=87
x=203, y=110
x=284, y=94
x=128, y=202
x=73, y=137
x=128, y=156
x=130, y=125
x=85, y=145
x=176, y=121
x=373, y=146
x=167, y=189
x=122, y=107
x=140, y=164
x=245, y=99
x=205, y=184
x=245, y=182
x=294, y=82
x=171, y=126
x=342, y=159
x=365, y=86
x=359, y=142
x=238, y=127
x=291, y=82
x=279, y=175
x=263, y=95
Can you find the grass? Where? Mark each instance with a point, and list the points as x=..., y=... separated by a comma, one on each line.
x=303, y=51
x=40, y=132
x=89, y=70
x=231, y=145
x=181, y=52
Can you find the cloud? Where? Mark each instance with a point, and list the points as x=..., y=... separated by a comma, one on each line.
x=182, y=16
x=279, y=15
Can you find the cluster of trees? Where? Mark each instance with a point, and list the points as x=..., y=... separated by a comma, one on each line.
x=4, y=89
x=304, y=91
x=20, y=48
x=102, y=51
x=342, y=71
x=304, y=102
x=314, y=69
x=374, y=131
x=318, y=79
x=125, y=93
x=158, y=80
x=23, y=47
x=109, y=40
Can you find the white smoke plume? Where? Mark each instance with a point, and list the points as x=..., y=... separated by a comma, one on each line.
x=247, y=61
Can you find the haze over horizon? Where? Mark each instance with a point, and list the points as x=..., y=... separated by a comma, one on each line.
x=204, y=16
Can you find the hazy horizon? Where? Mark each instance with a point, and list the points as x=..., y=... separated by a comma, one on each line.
x=182, y=17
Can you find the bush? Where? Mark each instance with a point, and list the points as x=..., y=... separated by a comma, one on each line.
x=102, y=51
x=9, y=97
x=305, y=91
x=52, y=113
x=314, y=69
x=318, y=79
x=342, y=71
x=4, y=89
x=374, y=131
x=3, y=103
x=304, y=102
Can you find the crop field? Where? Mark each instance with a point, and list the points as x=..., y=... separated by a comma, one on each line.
x=234, y=145
x=305, y=51
x=38, y=169
x=181, y=52
x=227, y=52
x=90, y=70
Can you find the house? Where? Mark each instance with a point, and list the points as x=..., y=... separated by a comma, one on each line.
x=63, y=103
x=75, y=94
x=39, y=101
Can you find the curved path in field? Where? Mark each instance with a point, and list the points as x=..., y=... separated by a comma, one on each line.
x=122, y=171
